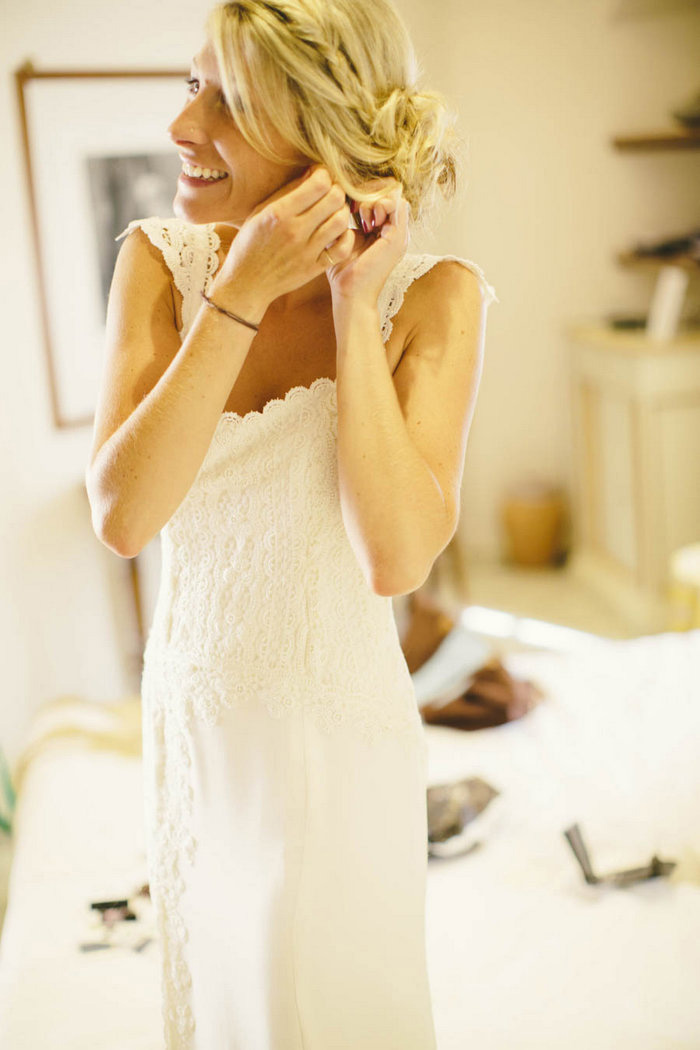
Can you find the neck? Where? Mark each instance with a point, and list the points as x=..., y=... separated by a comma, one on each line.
x=315, y=293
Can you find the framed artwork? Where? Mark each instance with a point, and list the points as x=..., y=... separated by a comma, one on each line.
x=97, y=155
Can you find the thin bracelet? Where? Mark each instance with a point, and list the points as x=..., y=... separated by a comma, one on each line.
x=228, y=313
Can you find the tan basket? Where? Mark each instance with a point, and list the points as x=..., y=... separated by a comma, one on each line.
x=533, y=516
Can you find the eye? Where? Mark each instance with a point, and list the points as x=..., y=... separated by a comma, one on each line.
x=191, y=81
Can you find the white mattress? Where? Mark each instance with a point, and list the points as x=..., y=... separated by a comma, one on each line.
x=522, y=953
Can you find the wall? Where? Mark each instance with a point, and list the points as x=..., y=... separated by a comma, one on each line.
x=540, y=89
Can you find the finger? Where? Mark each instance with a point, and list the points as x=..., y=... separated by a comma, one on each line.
x=331, y=210
x=336, y=225
x=399, y=217
x=379, y=214
x=300, y=194
x=393, y=200
x=365, y=213
x=388, y=204
x=340, y=250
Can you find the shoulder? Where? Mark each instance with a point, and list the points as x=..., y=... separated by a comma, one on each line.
x=440, y=293
x=186, y=253
x=142, y=249
x=153, y=251
x=449, y=275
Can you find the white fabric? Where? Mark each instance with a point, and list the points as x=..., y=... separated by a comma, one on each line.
x=522, y=954
x=284, y=751
x=78, y=832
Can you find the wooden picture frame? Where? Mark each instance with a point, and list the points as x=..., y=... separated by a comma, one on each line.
x=97, y=155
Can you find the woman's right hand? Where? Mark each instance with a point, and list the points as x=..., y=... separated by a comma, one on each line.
x=278, y=247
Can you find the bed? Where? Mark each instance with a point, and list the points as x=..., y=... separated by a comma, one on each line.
x=522, y=952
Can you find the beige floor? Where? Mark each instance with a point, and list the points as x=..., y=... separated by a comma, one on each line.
x=554, y=595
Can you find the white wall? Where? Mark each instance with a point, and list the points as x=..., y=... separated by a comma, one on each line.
x=540, y=88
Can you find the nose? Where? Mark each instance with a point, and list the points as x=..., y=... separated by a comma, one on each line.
x=186, y=128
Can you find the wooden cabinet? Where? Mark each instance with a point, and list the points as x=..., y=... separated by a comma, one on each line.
x=636, y=432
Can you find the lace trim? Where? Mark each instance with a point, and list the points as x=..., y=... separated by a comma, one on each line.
x=171, y=847
x=190, y=252
x=272, y=406
x=409, y=269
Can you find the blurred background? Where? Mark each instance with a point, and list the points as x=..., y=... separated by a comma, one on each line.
x=581, y=203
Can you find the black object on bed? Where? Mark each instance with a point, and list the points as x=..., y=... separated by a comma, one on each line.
x=655, y=868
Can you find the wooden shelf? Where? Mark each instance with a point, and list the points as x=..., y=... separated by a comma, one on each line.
x=673, y=138
x=655, y=263
x=593, y=333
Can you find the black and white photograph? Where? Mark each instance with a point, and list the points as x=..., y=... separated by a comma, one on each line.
x=88, y=170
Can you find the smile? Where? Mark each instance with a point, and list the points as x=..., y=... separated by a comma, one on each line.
x=203, y=174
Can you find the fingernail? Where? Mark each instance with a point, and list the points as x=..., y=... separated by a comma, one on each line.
x=371, y=221
x=365, y=227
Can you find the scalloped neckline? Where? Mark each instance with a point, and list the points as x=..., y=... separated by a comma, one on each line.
x=236, y=417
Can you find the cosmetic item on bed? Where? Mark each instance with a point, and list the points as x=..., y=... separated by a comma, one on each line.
x=492, y=697
x=126, y=922
x=461, y=815
x=103, y=905
x=655, y=868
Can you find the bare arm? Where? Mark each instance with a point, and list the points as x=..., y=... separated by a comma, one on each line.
x=160, y=401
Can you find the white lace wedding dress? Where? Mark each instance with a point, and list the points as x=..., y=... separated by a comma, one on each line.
x=283, y=751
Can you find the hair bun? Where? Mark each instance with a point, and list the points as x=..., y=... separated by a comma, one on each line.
x=339, y=82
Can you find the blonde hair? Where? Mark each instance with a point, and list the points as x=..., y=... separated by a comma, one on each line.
x=338, y=81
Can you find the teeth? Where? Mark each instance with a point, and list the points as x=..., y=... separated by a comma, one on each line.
x=203, y=173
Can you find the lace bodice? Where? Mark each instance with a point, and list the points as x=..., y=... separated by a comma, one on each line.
x=261, y=597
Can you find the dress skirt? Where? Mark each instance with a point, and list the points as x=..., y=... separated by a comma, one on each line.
x=289, y=876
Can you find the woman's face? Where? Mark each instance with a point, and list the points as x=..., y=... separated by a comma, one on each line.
x=206, y=135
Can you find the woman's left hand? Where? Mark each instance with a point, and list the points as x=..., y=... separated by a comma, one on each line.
x=374, y=254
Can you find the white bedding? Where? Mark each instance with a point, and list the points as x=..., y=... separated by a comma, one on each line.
x=79, y=839
x=522, y=953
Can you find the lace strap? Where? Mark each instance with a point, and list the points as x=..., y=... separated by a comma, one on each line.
x=190, y=253
x=410, y=268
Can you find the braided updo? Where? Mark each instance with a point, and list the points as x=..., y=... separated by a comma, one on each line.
x=338, y=81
